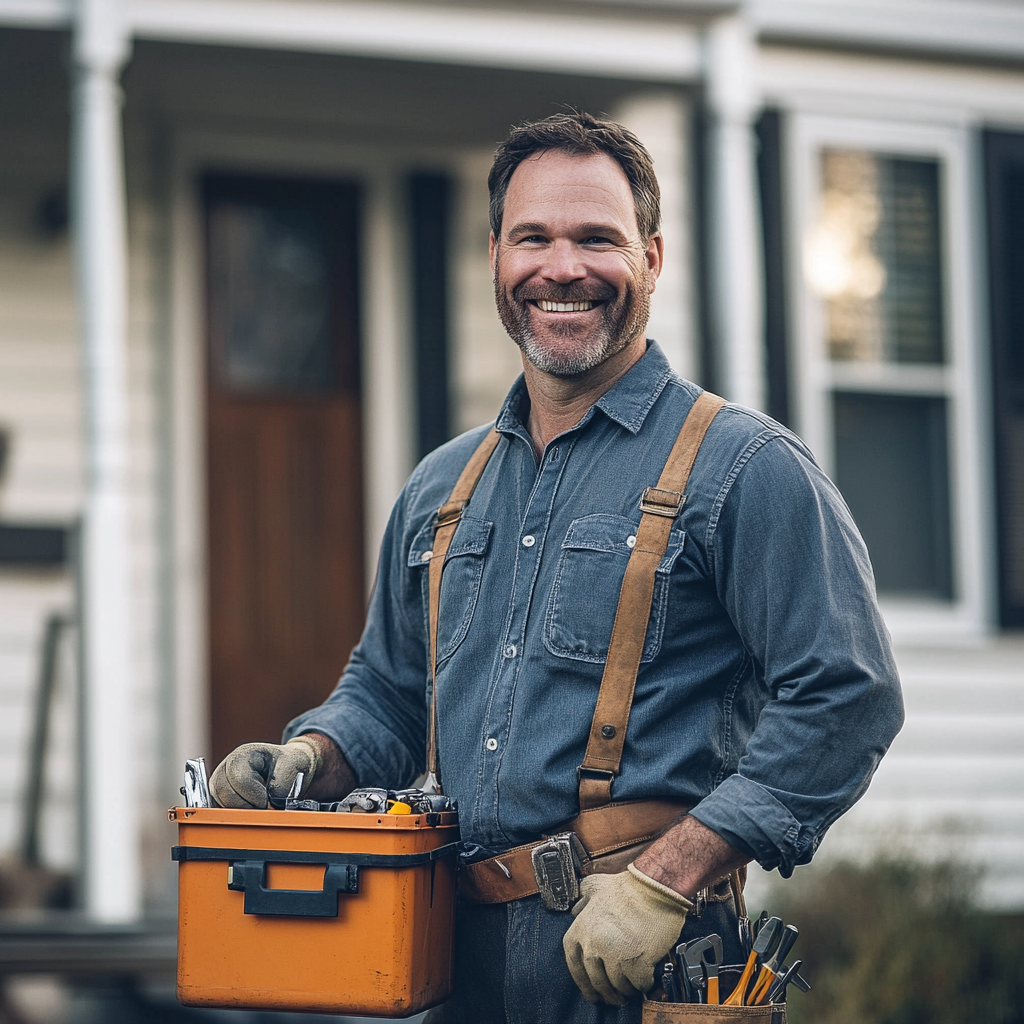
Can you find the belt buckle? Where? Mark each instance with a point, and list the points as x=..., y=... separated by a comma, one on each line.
x=557, y=866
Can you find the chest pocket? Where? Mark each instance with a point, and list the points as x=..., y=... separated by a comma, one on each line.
x=585, y=594
x=460, y=586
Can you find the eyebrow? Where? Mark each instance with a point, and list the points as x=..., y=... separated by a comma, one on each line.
x=536, y=228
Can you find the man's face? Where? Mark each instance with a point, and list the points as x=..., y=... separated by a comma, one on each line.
x=572, y=277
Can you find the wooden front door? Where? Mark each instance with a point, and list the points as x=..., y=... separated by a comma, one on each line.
x=286, y=593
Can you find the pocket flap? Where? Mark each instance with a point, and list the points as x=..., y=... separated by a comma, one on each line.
x=610, y=533
x=471, y=538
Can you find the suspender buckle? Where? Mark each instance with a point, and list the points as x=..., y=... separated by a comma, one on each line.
x=449, y=514
x=600, y=774
x=661, y=503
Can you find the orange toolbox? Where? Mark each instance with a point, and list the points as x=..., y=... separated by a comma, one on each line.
x=315, y=911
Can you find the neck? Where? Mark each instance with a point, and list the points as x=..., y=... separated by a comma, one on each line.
x=557, y=404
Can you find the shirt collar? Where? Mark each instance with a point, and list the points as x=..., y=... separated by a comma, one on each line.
x=627, y=401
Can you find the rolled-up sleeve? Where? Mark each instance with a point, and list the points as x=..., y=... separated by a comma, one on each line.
x=377, y=712
x=793, y=574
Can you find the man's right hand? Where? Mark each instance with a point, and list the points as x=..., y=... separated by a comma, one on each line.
x=252, y=771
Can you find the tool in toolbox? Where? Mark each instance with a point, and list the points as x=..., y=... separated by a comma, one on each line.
x=697, y=973
x=196, y=789
x=357, y=904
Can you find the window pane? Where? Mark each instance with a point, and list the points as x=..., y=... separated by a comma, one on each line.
x=874, y=256
x=891, y=468
x=270, y=298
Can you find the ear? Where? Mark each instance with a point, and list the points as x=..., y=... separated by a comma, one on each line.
x=655, y=256
x=492, y=248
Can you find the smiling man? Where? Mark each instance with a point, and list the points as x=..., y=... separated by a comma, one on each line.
x=730, y=712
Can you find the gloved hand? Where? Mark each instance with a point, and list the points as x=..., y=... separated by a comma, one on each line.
x=625, y=924
x=249, y=772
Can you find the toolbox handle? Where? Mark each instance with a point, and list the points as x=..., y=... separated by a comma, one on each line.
x=250, y=876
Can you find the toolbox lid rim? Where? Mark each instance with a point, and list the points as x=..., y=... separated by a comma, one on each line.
x=308, y=819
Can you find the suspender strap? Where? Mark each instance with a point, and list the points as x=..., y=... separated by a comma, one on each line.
x=448, y=516
x=660, y=505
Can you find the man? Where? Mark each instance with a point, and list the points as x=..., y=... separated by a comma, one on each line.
x=766, y=691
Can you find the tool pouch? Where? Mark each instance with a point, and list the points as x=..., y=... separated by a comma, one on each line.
x=669, y=1013
x=656, y=1012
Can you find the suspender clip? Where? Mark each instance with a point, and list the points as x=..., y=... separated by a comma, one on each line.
x=449, y=514
x=661, y=503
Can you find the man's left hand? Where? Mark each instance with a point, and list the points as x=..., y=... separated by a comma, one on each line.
x=625, y=924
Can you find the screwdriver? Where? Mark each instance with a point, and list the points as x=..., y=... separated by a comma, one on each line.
x=770, y=970
x=766, y=940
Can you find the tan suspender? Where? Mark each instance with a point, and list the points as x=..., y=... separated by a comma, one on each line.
x=660, y=506
x=448, y=516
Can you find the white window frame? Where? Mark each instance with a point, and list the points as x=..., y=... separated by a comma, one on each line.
x=961, y=380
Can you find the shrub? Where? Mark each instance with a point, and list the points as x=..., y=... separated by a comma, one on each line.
x=901, y=942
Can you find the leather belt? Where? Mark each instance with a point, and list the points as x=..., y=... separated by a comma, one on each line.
x=602, y=831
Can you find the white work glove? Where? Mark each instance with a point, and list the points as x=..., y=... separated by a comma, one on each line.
x=625, y=924
x=246, y=776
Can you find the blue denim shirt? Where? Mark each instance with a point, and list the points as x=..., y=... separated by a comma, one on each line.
x=767, y=691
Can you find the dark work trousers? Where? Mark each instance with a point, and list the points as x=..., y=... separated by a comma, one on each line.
x=510, y=966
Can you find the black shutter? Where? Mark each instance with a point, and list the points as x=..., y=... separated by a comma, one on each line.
x=430, y=202
x=1004, y=167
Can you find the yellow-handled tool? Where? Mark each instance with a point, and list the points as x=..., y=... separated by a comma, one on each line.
x=770, y=970
x=766, y=941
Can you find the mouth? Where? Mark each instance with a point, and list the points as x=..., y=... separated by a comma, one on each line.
x=579, y=306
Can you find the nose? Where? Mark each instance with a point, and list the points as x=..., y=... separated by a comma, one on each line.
x=563, y=263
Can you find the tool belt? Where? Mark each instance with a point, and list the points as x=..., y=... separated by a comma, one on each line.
x=605, y=836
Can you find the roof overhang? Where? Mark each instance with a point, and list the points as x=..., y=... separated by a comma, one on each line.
x=645, y=43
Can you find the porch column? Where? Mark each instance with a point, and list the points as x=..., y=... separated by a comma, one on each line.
x=111, y=868
x=734, y=224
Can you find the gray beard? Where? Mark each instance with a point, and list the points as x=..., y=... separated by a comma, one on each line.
x=622, y=319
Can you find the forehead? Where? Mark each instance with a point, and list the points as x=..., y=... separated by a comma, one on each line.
x=562, y=188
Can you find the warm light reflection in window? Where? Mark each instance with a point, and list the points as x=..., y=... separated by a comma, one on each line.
x=873, y=255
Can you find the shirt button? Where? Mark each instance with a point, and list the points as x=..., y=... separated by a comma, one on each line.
x=529, y=540
x=426, y=556
x=491, y=744
x=510, y=651
x=630, y=542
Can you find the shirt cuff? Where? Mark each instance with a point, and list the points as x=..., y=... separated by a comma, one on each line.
x=750, y=818
x=354, y=730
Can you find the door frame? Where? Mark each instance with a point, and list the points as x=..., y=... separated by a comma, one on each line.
x=386, y=350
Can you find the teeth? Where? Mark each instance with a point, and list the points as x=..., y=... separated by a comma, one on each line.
x=565, y=307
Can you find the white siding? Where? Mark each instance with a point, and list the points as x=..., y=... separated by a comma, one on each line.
x=952, y=784
x=41, y=407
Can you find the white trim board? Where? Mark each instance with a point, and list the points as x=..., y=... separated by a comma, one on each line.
x=648, y=49
x=889, y=88
x=978, y=28
x=652, y=49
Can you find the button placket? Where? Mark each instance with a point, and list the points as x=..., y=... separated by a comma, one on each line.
x=533, y=528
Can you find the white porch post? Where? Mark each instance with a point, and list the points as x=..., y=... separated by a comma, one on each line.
x=110, y=827
x=734, y=226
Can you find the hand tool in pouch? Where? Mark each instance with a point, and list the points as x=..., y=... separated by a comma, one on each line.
x=764, y=944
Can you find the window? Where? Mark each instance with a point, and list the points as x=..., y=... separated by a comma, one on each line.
x=885, y=383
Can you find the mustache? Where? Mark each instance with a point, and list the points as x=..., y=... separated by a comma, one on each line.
x=575, y=291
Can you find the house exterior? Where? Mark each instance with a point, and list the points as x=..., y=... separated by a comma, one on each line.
x=843, y=191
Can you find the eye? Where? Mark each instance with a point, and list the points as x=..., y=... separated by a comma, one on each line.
x=597, y=240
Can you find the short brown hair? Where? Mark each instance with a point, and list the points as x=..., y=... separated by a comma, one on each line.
x=580, y=134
